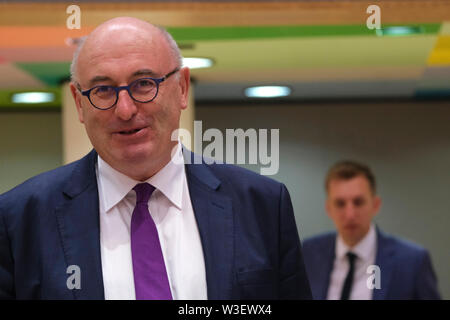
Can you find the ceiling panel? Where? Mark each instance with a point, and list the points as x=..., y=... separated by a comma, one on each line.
x=435, y=79
x=37, y=54
x=14, y=77
x=319, y=52
x=229, y=13
x=445, y=28
x=319, y=48
x=309, y=74
x=38, y=36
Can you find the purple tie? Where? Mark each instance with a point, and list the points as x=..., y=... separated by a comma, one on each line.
x=150, y=276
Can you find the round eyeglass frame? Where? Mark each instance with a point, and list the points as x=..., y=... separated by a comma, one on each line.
x=87, y=92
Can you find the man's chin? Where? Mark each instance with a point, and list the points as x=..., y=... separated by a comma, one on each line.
x=138, y=154
x=353, y=236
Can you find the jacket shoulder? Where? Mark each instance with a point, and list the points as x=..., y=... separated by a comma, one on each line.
x=319, y=242
x=404, y=248
x=42, y=186
x=234, y=172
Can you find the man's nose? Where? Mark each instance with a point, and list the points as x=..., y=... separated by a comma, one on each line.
x=126, y=107
x=350, y=211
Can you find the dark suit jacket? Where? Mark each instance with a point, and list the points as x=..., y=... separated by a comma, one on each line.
x=406, y=269
x=246, y=223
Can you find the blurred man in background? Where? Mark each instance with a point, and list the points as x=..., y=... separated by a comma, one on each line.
x=340, y=266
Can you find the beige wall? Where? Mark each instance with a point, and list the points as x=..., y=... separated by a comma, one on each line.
x=30, y=143
x=76, y=143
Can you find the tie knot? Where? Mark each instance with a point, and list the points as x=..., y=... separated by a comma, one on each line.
x=143, y=192
x=351, y=257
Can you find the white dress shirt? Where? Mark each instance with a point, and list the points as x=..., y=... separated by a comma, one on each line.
x=366, y=251
x=171, y=208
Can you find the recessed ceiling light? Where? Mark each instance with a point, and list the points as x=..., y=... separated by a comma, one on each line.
x=197, y=63
x=399, y=31
x=267, y=91
x=33, y=97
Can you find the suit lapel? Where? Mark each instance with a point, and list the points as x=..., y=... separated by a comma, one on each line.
x=325, y=267
x=79, y=226
x=384, y=261
x=214, y=215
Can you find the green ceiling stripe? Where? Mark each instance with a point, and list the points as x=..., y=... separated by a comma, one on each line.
x=51, y=73
x=261, y=32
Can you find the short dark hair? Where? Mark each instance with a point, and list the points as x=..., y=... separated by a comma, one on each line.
x=349, y=169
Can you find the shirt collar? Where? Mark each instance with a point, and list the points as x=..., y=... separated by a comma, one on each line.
x=364, y=249
x=169, y=181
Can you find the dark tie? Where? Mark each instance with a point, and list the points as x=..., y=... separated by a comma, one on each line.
x=149, y=269
x=347, y=288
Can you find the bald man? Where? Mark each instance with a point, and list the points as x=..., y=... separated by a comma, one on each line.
x=138, y=218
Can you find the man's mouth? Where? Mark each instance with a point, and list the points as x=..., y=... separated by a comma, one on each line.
x=130, y=131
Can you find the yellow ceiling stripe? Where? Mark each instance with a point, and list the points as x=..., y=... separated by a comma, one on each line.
x=441, y=52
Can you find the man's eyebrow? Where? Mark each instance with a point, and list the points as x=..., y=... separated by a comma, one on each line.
x=98, y=79
x=144, y=72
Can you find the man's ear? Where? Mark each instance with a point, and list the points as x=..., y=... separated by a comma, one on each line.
x=77, y=97
x=184, y=83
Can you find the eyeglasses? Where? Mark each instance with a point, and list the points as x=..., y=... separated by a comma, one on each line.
x=141, y=90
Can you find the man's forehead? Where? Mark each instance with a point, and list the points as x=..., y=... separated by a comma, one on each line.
x=356, y=186
x=118, y=38
x=120, y=44
x=124, y=60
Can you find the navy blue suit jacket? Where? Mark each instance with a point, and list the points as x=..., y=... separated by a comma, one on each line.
x=405, y=268
x=246, y=223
